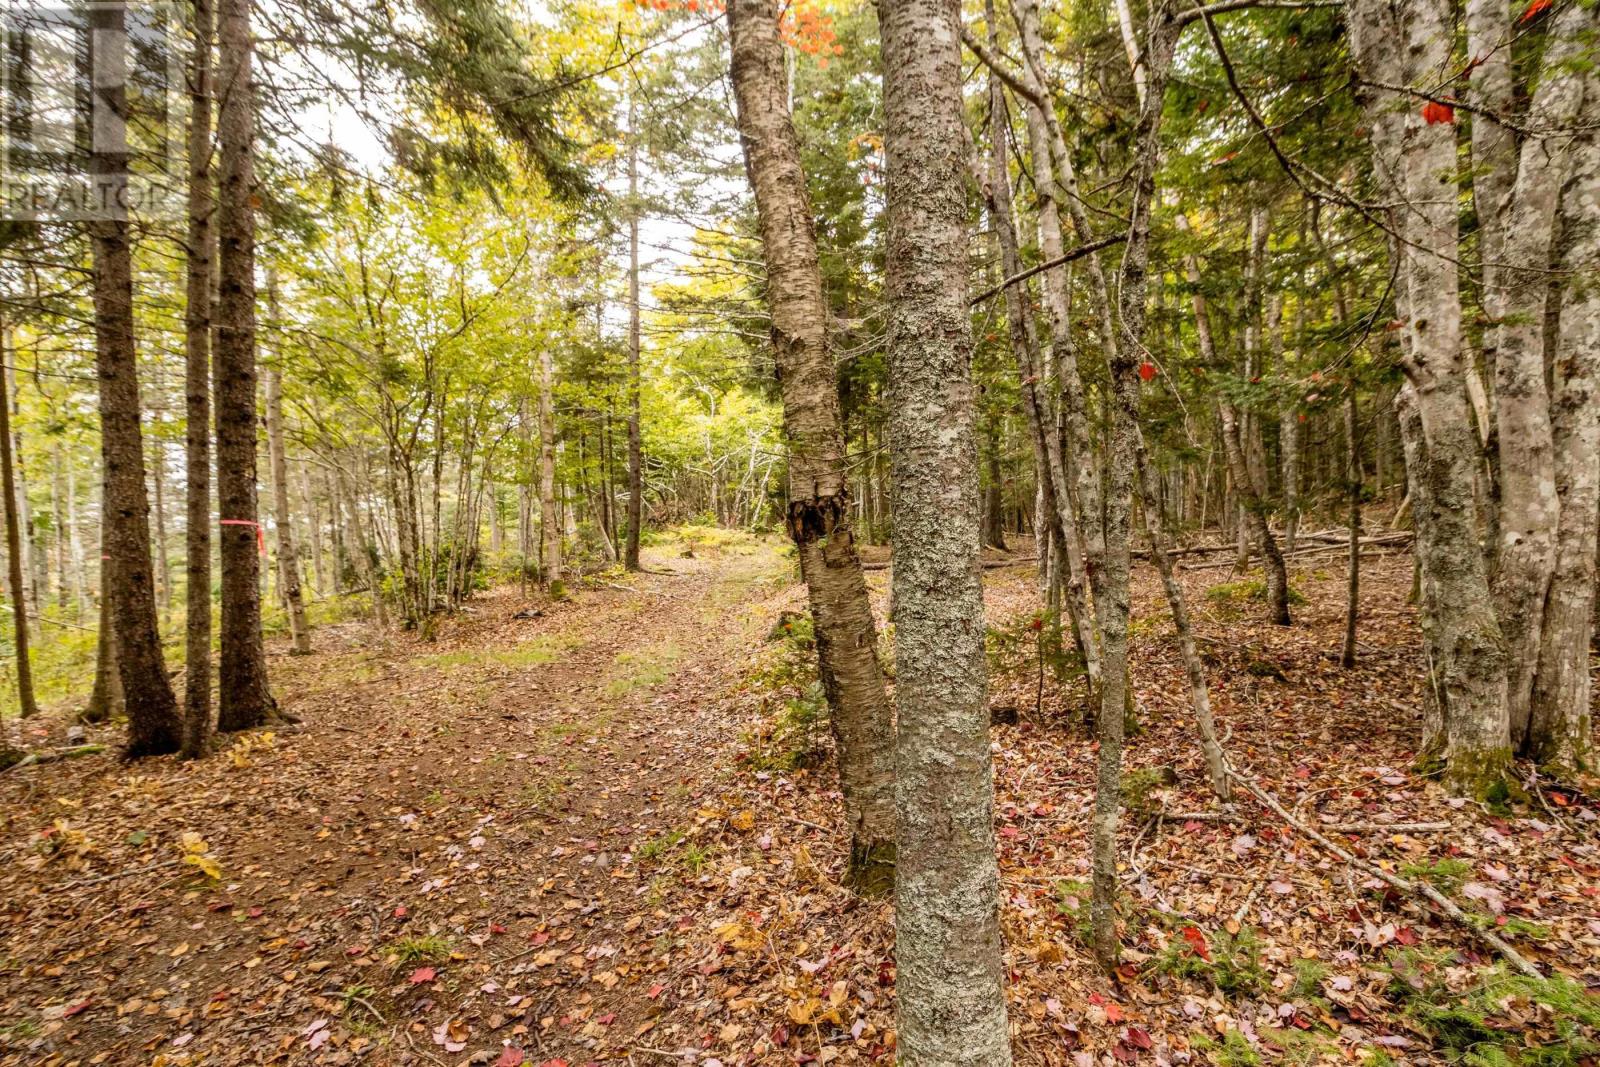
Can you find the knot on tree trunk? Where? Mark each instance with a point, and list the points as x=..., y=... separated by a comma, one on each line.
x=813, y=519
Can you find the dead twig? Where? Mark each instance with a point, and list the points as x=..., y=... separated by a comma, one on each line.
x=1404, y=885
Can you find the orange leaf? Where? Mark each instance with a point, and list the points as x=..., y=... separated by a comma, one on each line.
x=1533, y=10
x=1435, y=113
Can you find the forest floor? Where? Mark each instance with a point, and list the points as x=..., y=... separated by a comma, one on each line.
x=602, y=834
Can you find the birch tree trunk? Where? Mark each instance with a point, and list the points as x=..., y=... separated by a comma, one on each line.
x=1416, y=160
x=283, y=519
x=244, y=700
x=1559, y=735
x=1109, y=572
x=1524, y=556
x=153, y=724
x=950, y=986
x=630, y=553
x=549, y=520
x=819, y=514
x=1048, y=461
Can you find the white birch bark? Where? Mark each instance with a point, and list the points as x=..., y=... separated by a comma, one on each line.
x=1559, y=734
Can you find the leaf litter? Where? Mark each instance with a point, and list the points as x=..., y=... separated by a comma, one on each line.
x=471, y=854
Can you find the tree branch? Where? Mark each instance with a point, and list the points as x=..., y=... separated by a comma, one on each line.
x=1067, y=257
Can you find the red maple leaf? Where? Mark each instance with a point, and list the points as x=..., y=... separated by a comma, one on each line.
x=1532, y=10
x=1147, y=371
x=1435, y=113
x=1197, y=941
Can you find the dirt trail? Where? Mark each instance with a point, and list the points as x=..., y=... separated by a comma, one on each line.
x=443, y=863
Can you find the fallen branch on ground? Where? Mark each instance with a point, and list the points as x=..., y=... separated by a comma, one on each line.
x=33, y=758
x=1404, y=885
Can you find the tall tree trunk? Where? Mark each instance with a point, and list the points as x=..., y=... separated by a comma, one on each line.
x=1529, y=510
x=1352, y=479
x=153, y=724
x=245, y=700
x=19, y=601
x=58, y=519
x=819, y=514
x=630, y=555
x=1193, y=666
x=158, y=464
x=105, y=700
x=1252, y=506
x=951, y=992
x=308, y=503
x=549, y=519
x=1110, y=572
x=1416, y=164
x=283, y=519
x=1048, y=459
x=1494, y=168
x=197, y=394
x=1559, y=734
x=12, y=398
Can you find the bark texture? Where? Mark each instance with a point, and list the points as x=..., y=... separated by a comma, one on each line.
x=1559, y=734
x=1525, y=553
x=283, y=519
x=820, y=510
x=630, y=552
x=14, y=578
x=549, y=518
x=197, y=394
x=950, y=986
x=153, y=724
x=244, y=700
x=1416, y=164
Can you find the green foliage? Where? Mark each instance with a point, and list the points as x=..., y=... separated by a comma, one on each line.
x=1232, y=594
x=1139, y=787
x=1506, y=1020
x=1234, y=1050
x=1073, y=902
x=1234, y=967
x=425, y=949
x=657, y=848
x=1447, y=874
x=1032, y=640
